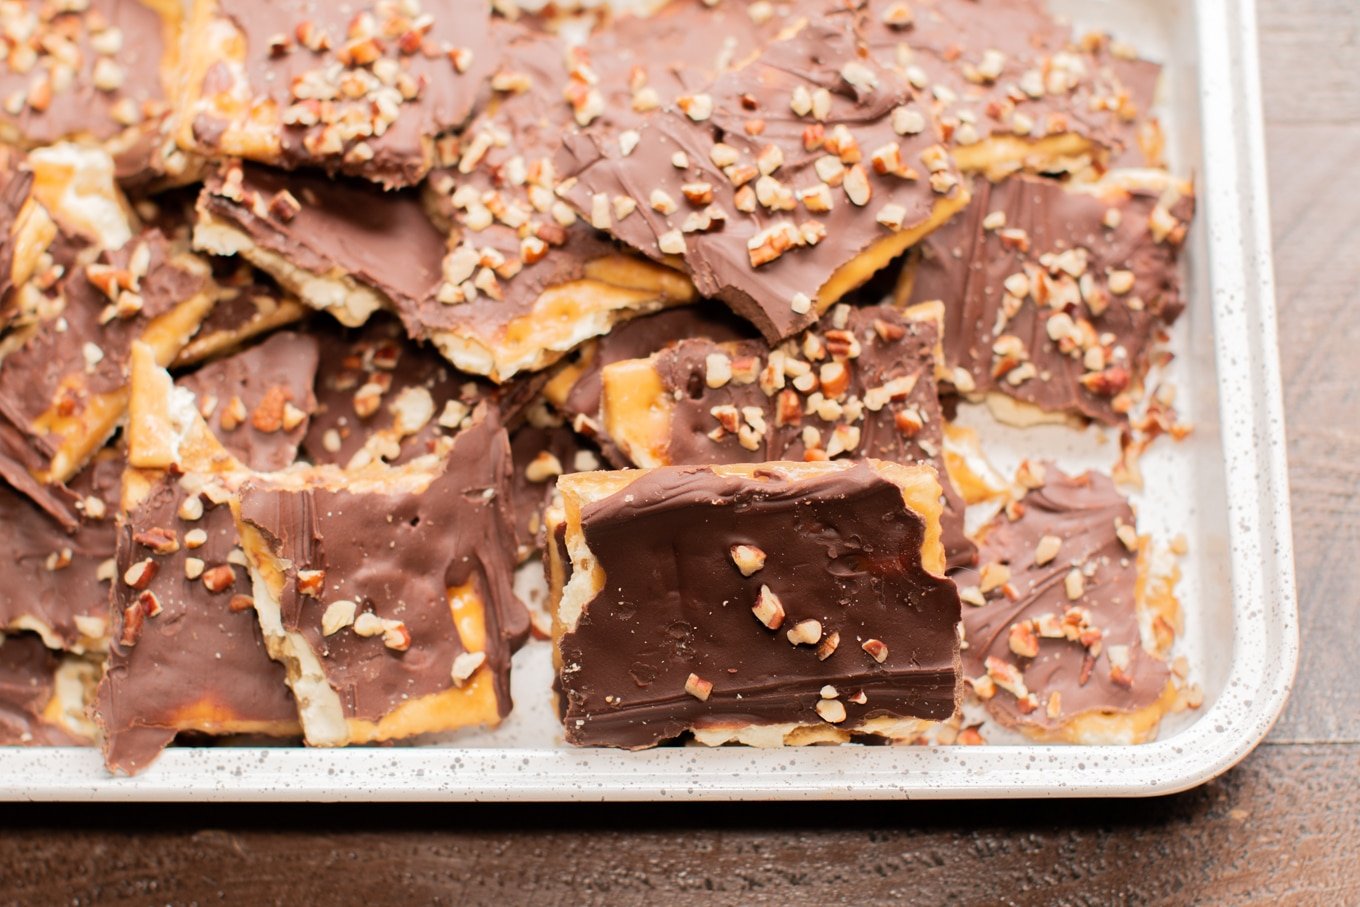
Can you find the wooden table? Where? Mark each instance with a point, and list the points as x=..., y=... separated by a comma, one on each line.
x=1282, y=827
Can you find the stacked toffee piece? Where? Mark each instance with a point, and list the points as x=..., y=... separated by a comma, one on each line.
x=320, y=320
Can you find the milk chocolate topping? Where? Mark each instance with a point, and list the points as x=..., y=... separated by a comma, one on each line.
x=199, y=661
x=381, y=396
x=842, y=550
x=638, y=339
x=1111, y=672
x=1008, y=68
x=496, y=192
x=420, y=75
x=1087, y=304
x=257, y=401
x=741, y=232
x=382, y=239
x=27, y=682
x=888, y=403
x=50, y=573
x=398, y=555
x=77, y=352
x=94, y=73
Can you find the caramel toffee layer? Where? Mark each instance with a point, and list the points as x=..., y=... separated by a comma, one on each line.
x=1007, y=69
x=861, y=383
x=361, y=88
x=91, y=70
x=1060, y=636
x=257, y=402
x=28, y=683
x=397, y=555
x=186, y=651
x=842, y=550
x=52, y=574
x=1053, y=296
x=775, y=178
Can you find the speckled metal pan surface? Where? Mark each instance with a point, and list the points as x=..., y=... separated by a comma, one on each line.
x=1225, y=488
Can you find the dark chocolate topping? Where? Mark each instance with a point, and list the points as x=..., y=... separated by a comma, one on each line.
x=439, y=60
x=50, y=573
x=27, y=682
x=770, y=263
x=1083, y=513
x=891, y=375
x=841, y=549
x=89, y=73
x=1072, y=265
x=200, y=662
x=257, y=402
x=382, y=239
x=397, y=555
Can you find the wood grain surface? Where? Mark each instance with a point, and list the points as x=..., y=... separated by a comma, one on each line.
x=1283, y=827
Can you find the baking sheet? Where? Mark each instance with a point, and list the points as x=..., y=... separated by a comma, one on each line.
x=1224, y=488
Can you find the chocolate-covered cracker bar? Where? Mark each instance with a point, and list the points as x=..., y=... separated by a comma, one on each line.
x=360, y=88
x=861, y=383
x=777, y=603
x=1054, y=295
x=64, y=390
x=26, y=229
x=781, y=186
x=187, y=654
x=1012, y=88
x=525, y=280
x=99, y=71
x=386, y=591
x=56, y=572
x=43, y=694
x=1066, y=626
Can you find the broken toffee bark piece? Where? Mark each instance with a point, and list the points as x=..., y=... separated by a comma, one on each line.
x=782, y=186
x=99, y=71
x=777, y=603
x=574, y=389
x=43, y=694
x=384, y=398
x=55, y=580
x=1012, y=89
x=386, y=592
x=524, y=280
x=186, y=653
x=360, y=88
x=1067, y=627
x=26, y=230
x=861, y=383
x=1054, y=295
x=64, y=390
x=248, y=305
